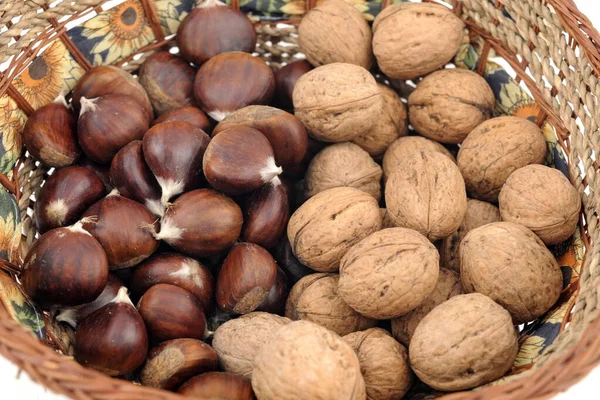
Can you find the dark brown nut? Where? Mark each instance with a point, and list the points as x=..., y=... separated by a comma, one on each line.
x=287, y=261
x=475, y=343
x=531, y=279
x=190, y=114
x=102, y=170
x=494, y=150
x=286, y=79
x=218, y=385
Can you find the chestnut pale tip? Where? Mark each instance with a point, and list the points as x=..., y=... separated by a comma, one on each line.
x=189, y=269
x=270, y=170
x=218, y=115
x=57, y=211
x=61, y=100
x=87, y=105
x=78, y=226
x=169, y=189
x=122, y=297
x=155, y=206
x=68, y=316
x=169, y=231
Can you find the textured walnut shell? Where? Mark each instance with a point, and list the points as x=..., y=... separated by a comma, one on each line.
x=383, y=363
x=328, y=224
x=391, y=124
x=386, y=220
x=542, y=199
x=238, y=341
x=302, y=346
x=315, y=298
x=448, y=285
x=343, y=164
x=413, y=39
x=389, y=273
x=427, y=193
x=404, y=146
x=335, y=31
x=337, y=102
x=530, y=281
x=479, y=213
x=494, y=150
x=465, y=342
x=450, y=103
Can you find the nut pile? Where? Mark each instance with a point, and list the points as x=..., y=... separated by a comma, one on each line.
x=226, y=231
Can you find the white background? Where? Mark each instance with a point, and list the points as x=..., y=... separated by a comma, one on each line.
x=25, y=388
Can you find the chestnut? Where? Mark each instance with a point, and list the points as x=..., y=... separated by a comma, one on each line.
x=171, y=312
x=131, y=176
x=245, y=279
x=185, y=358
x=218, y=385
x=230, y=81
x=277, y=296
x=50, y=136
x=102, y=170
x=168, y=80
x=190, y=114
x=285, y=132
x=106, y=124
x=65, y=196
x=288, y=262
x=178, y=270
x=297, y=171
x=124, y=229
x=239, y=160
x=286, y=79
x=174, y=152
x=201, y=223
x=65, y=267
x=112, y=339
x=214, y=28
x=107, y=79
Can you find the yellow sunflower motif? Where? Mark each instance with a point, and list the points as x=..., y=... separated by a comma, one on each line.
x=168, y=15
x=9, y=235
x=529, y=351
x=12, y=121
x=124, y=29
x=293, y=7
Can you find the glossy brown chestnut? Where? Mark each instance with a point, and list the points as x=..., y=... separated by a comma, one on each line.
x=124, y=229
x=112, y=339
x=298, y=171
x=201, y=223
x=178, y=270
x=168, y=80
x=65, y=267
x=286, y=79
x=277, y=296
x=218, y=385
x=107, y=79
x=231, y=81
x=286, y=260
x=171, y=312
x=285, y=132
x=214, y=28
x=102, y=170
x=174, y=152
x=50, y=134
x=184, y=358
x=245, y=279
x=108, y=123
x=131, y=176
x=239, y=160
x=190, y=114
x=65, y=196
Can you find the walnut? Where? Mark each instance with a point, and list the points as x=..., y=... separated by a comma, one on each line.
x=543, y=200
x=494, y=150
x=343, y=164
x=450, y=103
x=464, y=342
x=337, y=102
x=413, y=39
x=386, y=221
x=511, y=265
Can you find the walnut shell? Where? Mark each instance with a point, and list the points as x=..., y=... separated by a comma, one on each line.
x=238, y=341
x=511, y=265
x=404, y=146
x=323, y=228
x=383, y=363
x=448, y=285
x=543, y=200
x=337, y=102
x=464, y=342
x=306, y=361
x=479, y=213
x=413, y=39
x=386, y=221
x=426, y=192
x=343, y=164
x=315, y=298
x=391, y=124
x=494, y=150
x=389, y=273
x=450, y=103
x=335, y=31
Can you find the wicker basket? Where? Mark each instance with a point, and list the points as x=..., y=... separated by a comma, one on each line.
x=46, y=45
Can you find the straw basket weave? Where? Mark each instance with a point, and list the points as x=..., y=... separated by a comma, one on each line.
x=553, y=49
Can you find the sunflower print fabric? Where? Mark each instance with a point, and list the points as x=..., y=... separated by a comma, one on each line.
x=10, y=226
x=12, y=121
x=171, y=12
x=19, y=308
